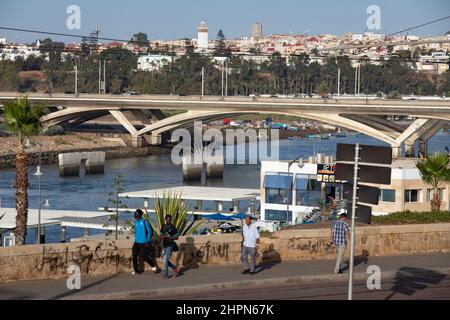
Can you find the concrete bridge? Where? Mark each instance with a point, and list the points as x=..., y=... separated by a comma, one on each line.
x=362, y=115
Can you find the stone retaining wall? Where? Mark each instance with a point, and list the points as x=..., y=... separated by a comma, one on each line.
x=107, y=257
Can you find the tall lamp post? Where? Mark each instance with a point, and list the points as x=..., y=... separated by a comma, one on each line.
x=290, y=186
x=39, y=174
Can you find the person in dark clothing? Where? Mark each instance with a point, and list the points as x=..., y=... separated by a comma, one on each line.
x=169, y=234
x=142, y=244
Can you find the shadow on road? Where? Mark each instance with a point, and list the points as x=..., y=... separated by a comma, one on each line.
x=409, y=280
x=364, y=257
x=72, y=292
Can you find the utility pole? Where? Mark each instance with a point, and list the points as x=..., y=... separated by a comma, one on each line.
x=352, y=232
x=356, y=79
x=359, y=79
x=76, y=80
x=222, y=80
x=339, y=82
x=104, y=76
x=203, y=81
x=226, y=78
x=99, y=76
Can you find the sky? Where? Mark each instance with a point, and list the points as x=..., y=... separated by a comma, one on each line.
x=177, y=19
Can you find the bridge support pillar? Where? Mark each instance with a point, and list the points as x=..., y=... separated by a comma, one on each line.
x=396, y=152
x=423, y=148
x=410, y=151
x=156, y=139
x=136, y=141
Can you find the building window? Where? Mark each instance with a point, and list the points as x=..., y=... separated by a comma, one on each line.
x=278, y=188
x=387, y=195
x=308, y=191
x=430, y=193
x=278, y=215
x=278, y=196
x=411, y=195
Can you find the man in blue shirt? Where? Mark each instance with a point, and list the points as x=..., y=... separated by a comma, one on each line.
x=339, y=237
x=142, y=242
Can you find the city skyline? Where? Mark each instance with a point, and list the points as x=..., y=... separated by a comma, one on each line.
x=161, y=22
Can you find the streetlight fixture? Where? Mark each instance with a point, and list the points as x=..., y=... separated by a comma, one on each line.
x=39, y=174
x=300, y=165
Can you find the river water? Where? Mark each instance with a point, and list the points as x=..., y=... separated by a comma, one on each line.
x=90, y=192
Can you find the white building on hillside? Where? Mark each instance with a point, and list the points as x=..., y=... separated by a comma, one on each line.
x=151, y=62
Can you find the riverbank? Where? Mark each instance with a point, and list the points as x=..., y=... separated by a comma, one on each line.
x=50, y=146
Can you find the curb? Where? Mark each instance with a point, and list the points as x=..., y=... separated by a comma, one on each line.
x=154, y=293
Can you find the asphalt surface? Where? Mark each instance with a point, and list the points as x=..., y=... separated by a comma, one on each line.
x=408, y=277
x=411, y=289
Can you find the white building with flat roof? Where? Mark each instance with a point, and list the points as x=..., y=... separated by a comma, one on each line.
x=151, y=62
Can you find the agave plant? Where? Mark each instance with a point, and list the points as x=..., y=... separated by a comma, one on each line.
x=435, y=172
x=172, y=204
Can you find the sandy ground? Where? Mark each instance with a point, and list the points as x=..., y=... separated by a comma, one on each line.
x=70, y=141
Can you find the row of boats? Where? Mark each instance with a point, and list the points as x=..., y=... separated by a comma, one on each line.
x=326, y=136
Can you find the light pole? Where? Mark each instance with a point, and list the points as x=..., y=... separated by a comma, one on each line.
x=290, y=186
x=339, y=82
x=203, y=81
x=76, y=80
x=226, y=78
x=39, y=174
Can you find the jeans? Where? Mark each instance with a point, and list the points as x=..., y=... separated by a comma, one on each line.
x=141, y=254
x=244, y=258
x=340, y=257
x=167, y=253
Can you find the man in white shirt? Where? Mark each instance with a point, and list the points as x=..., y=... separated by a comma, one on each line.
x=250, y=242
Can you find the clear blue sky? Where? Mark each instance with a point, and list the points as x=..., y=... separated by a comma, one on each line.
x=180, y=18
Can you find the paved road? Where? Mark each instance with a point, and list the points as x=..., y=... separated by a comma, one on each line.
x=412, y=289
x=426, y=276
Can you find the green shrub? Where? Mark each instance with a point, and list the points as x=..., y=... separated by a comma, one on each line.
x=408, y=217
x=55, y=131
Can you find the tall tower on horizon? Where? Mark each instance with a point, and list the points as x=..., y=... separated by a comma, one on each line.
x=257, y=30
x=202, y=38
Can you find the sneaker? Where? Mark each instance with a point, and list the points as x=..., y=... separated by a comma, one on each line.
x=133, y=273
x=247, y=271
x=154, y=269
x=177, y=272
x=252, y=273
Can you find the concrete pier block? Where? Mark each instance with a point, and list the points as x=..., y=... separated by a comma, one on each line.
x=410, y=150
x=215, y=167
x=95, y=162
x=136, y=141
x=191, y=170
x=396, y=152
x=156, y=140
x=69, y=163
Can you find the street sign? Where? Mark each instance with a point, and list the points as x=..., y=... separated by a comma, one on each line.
x=369, y=154
x=365, y=194
x=363, y=213
x=367, y=174
x=374, y=170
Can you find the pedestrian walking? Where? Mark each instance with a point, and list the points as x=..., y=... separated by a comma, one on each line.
x=169, y=234
x=250, y=243
x=142, y=242
x=339, y=236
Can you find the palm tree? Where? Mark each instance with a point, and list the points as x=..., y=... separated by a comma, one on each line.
x=435, y=171
x=23, y=120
